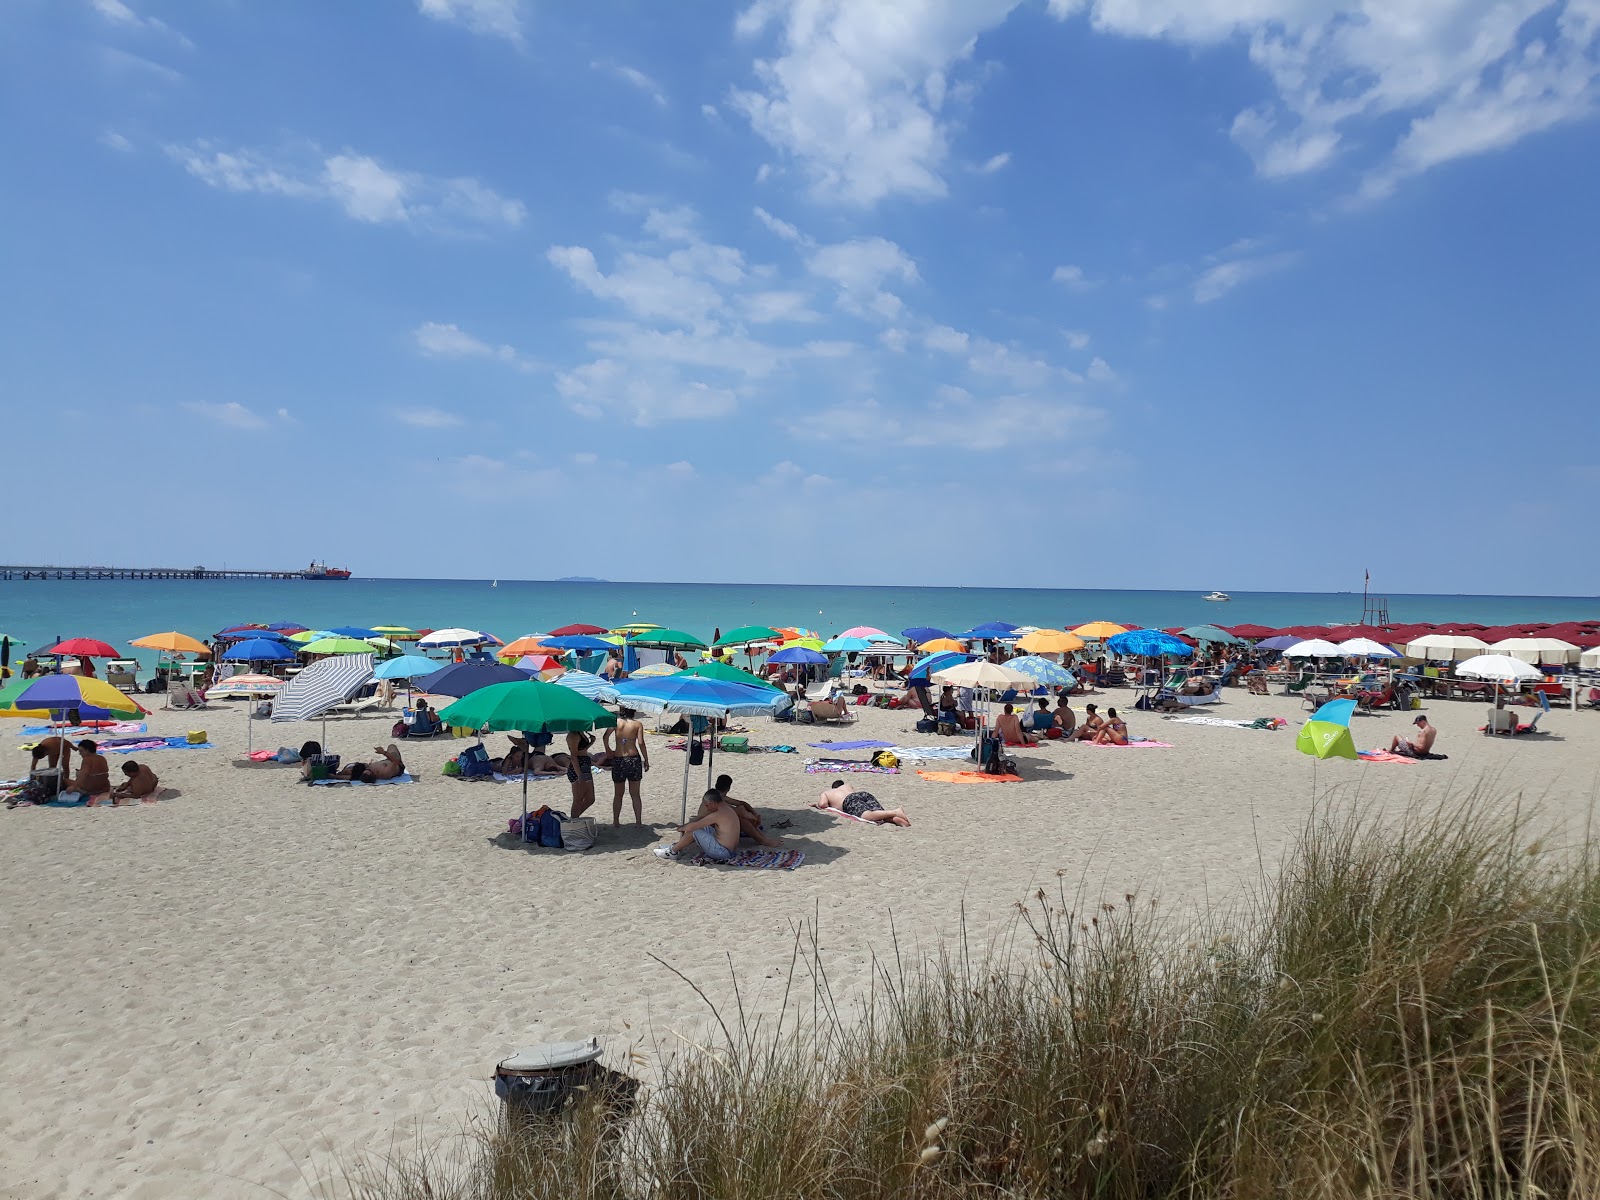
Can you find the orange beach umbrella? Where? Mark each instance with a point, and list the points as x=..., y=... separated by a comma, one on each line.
x=172, y=642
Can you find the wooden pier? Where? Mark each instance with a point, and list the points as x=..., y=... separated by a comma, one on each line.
x=8, y=571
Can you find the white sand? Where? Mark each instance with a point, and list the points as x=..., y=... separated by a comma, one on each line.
x=209, y=995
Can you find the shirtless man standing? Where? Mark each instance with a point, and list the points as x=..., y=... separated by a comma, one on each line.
x=630, y=759
x=716, y=833
x=1420, y=746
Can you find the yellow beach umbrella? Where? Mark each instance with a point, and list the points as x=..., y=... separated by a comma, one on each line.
x=1050, y=641
x=396, y=633
x=1098, y=631
x=172, y=642
x=805, y=643
x=636, y=627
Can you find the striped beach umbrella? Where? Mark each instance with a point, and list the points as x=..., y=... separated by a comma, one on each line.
x=584, y=683
x=320, y=686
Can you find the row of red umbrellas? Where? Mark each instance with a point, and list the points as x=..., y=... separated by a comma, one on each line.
x=1579, y=633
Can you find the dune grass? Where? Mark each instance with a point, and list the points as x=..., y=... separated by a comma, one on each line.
x=1407, y=1008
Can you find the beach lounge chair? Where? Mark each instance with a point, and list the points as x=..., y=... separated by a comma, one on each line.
x=1380, y=698
x=1214, y=696
x=1502, y=721
x=1256, y=681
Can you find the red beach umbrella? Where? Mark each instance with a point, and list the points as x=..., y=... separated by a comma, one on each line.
x=578, y=630
x=1250, y=631
x=84, y=648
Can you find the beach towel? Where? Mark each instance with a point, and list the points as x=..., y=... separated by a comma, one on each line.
x=1383, y=756
x=869, y=744
x=406, y=778
x=129, y=745
x=1258, y=723
x=1133, y=744
x=845, y=766
x=86, y=731
x=931, y=752
x=755, y=860
x=968, y=777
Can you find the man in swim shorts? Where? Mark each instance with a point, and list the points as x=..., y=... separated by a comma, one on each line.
x=716, y=833
x=630, y=759
x=863, y=806
x=1418, y=747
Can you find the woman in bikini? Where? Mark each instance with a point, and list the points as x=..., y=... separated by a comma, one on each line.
x=580, y=770
x=1114, y=732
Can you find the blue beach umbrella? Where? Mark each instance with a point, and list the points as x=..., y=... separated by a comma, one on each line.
x=1148, y=643
x=354, y=631
x=259, y=650
x=923, y=633
x=464, y=678
x=584, y=683
x=989, y=633
x=799, y=654
x=1048, y=673
x=1327, y=734
x=923, y=668
x=407, y=666
x=1282, y=642
x=843, y=645
x=578, y=641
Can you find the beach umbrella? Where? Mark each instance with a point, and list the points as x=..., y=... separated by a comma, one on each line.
x=746, y=635
x=247, y=685
x=635, y=627
x=1313, y=648
x=1098, y=631
x=1500, y=668
x=528, y=706
x=584, y=683
x=569, y=630
x=310, y=635
x=939, y=644
x=359, y=632
x=1050, y=641
x=1447, y=646
x=658, y=670
x=923, y=667
x=803, y=643
x=993, y=677
x=13, y=640
x=1365, y=648
x=800, y=654
x=243, y=631
x=320, y=686
x=464, y=678
x=95, y=699
x=697, y=696
x=1327, y=734
x=1213, y=635
x=843, y=645
x=335, y=645
x=259, y=650
x=657, y=638
x=1281, y=642
x=1253, y=632
x=454, y=637
x=407, y=666
x=1537, y=649
x=923, y=633
x=1043, y=670
x=529, y=644
x=1590, y=658
x=173, y=643
x=1147, y=643
x=84, y=648
x=537, y=664
x=395, y=633
x=870, y=632
x=999, y=626
x=578, y=641
x=988, y=633
x=727, y=673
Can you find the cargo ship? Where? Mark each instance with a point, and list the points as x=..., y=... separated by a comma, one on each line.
x=320, y=570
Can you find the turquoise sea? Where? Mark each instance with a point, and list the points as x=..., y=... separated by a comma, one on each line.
x=40, y=611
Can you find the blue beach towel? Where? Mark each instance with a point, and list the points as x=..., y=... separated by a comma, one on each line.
x=406, y=778
x=866, y=745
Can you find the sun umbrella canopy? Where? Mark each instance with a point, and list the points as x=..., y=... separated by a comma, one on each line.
x=533, y=664
x=84, y=648
x=1365, y=648
x=1281, y=642
x=804, y=643
x=697, y=696
x=260, y=650
x=529, y=705
x=746, y=634
x=578, y=641
x=923, y=633
x=657, y=671
x=247, y=685
x=938, y=661
x=398, y=633
x=728, y=674
x=335, y=645
x=983, y=674
x=244, y=631
x=1147, y=643
x=799, y=654
x=322, y=685
x=844, y=645
x=172, y=642
x=529, y=644
x=1327, y=734
x=1537, y=649
x=1590, y=658
x=1446, y=646
x=666, y=639
x=1050, y=641
x=1313, y=648
x=569, y=630
x=1043, y=670
x=1500, y=668
x=1214, y=635
x=461, y=679
x=359, y=632
x=454, y=637
x=407, y=666
x=95, y=699
x=1098, y=631
x=583, y=682
x=870, y=632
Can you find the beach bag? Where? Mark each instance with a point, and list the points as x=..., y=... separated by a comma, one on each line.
x=697, y=752
x=550, y=822
x=287, y=754
x=452, y=768
x=323, y=766
x=474, y=762
x=578, y=833
x=927, y=725
x=885, y=758
x=399, y=729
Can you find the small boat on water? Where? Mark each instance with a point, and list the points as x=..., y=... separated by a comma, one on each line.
x=1216, y=596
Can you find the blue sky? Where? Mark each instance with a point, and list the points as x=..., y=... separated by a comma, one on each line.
x=1121, y=293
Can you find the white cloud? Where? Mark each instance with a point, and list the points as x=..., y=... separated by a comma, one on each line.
x=860, y=268
x=1069, y=276
x=997, y=162
x=1100, y=371
x=366, y=190
x=763, y=308
x=710, y=112
x=115, y=141
x=1463, y=76
x=951, y=417
x=120, y=14
x=945, y=339
x=607, y=388
x=782, y=228
x=633, y=77
x=229, y=414
x=1217, y=281
x=857, y=93
x=1077, y=339
x=494, y=18
x=427, y=418
x=438, y=340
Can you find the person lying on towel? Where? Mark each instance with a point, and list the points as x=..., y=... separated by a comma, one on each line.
x=863, y=806
x=716, y=833
x=141, y=781
x=389, y=766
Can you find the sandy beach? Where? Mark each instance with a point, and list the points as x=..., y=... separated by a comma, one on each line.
x=219, y=994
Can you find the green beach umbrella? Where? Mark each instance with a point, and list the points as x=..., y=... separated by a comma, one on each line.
x=532, y=707
x=667, y=639
x=1327, y=734
x=336, y=645
x=728, y=674
x=1210, y=633
x=746, y=634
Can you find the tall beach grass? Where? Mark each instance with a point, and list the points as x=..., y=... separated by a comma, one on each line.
x=1406, y=1008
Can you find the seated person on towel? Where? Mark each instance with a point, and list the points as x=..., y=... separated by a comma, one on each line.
x=716, y=833
x=1092, y=722
x=750, y=823
x=1009, y=727
x=1113, y=730
x=390, y=766
x=94, y=774
x=1418, y=747
x=141, y=781
x=1043, y=718
x=1066, y=720
x=863, y=806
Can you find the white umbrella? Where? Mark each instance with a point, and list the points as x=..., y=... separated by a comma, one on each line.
x=1590, y=658
x=983, y=674
x=1448, y=646
x=454, y=637
x=1537, y=649
x=1313, y=648
x=1500, y=668
x=1366, y=648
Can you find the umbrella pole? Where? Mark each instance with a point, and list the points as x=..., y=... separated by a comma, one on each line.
x=688, y=747
x=525, y=794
